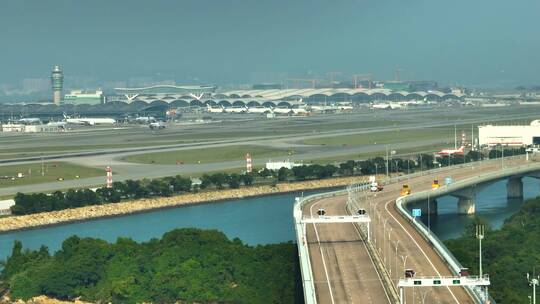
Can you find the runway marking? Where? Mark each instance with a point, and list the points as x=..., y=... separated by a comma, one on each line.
x=322, y=255
x=417, y=245
x=372, y=263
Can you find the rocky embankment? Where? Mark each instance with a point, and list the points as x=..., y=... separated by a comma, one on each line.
x=40, y=300
x=135, y=206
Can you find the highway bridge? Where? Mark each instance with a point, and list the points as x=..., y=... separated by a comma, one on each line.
x=343, y=262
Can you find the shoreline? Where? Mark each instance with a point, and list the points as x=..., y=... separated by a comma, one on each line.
x=129, y=207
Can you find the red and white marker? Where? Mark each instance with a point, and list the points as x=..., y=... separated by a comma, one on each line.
x=109, y=177
x=249, y=166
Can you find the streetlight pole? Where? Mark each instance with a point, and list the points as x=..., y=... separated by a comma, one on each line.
x=533, y=282
x=388, y=250
x=480, y=236
x=387, y=161
x=395, y=257
x=404, y=259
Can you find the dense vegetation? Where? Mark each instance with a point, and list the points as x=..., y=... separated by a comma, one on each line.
x=186, y=265
x=167, y=186
x=508, y=254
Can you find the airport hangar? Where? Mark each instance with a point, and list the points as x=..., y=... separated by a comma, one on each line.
x=183, y=96
x=517, y=135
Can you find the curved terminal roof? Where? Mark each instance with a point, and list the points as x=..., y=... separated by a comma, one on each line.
x=309, y=93
x=167, y=89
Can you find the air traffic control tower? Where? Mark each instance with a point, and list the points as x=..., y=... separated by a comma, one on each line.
x=57, y=80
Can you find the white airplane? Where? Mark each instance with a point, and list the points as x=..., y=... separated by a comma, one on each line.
x=300, y=111
x=30, y=121
x=145, y=119
x=286, y=111
x=89, y=121
x=381, y=106
x=386, y=106
x=459, y=151
x=259, y=110
x=236, y=109
x=158, y=125
x=59, y=124
x=210, y=109
x=324, y=108
x=345, y=107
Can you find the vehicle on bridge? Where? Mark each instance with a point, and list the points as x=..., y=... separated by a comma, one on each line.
x=435, y=184
x=405, y=190
x=375, y=187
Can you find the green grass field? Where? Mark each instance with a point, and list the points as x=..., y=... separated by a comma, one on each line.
x=53, y=171
x=227, y=153
x=443, y=133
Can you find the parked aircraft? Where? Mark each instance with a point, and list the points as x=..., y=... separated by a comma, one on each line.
x=145, y=119
x=459, y=151
x=30, y=121
x=89, y=121
x=243, y=109
x=218, y=109
x=158, y=125
x=286, y=111
x=260, y=110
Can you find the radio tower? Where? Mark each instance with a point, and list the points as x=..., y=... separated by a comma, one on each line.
x=57, y=81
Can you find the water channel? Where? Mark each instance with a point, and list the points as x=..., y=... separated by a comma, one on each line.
x=260, y=220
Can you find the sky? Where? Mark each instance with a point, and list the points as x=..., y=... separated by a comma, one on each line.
x=491, y=43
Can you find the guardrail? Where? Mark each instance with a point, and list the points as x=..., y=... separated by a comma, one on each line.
x=303, y=251
x=308, y=283
x=438, y=245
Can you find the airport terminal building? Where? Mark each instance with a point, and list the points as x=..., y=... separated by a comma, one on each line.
x=524, y=135
x=194, y=95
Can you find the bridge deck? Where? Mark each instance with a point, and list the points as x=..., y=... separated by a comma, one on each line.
x=342, y=268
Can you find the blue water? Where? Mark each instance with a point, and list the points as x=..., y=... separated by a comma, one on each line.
x=261, y=220
x=491, y=204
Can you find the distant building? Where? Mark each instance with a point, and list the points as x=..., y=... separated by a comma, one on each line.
x=509, y=135
x=276, y=165
x=5, y=206
x=22, y=128
x=84, y=97
x=396, y=85
x=267, y=86
x=423, y=86
x=57, y=81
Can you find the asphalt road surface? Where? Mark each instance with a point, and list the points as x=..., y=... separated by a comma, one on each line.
x=343, y=270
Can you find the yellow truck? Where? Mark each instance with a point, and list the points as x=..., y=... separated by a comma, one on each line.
x=435, y=184
x=405, y=190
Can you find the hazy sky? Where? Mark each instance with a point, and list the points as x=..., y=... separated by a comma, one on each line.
x=472, y=42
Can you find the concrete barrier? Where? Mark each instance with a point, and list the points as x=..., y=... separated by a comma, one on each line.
x=454, y=265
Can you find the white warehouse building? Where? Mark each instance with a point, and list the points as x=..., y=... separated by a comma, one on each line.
x=509, y=135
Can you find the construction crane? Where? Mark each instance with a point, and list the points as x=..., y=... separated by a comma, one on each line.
x=363, y=77
x=397, y=75
x=333, y=77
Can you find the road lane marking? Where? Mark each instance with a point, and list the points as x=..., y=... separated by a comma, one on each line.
x=417, y=245
x=322, y=255
x=370, y=258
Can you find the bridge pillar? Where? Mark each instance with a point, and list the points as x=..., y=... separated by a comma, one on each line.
x=466, y=205
x=514, y=187
x=467, y=199
x=431, y=209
